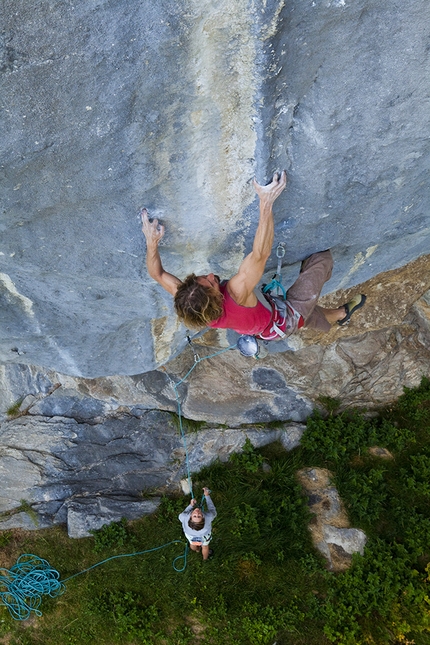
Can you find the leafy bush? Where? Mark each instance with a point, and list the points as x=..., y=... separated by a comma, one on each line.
x=416, y=478
x=260, y=625
x=415, y=403
x=365, y=492
x=5, y=538
x=249, y=458
x=111, y=536
x=339, y=436
x=132, y=619
x=246, y=521
x=383, y=584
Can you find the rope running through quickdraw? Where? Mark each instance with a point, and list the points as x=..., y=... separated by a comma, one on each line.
x=175, y=387
x=276, y=282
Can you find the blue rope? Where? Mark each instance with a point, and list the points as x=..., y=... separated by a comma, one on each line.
x=124, y=555
x=275, y=284
x=22, y=586
x=184, y=556
x=181, y=426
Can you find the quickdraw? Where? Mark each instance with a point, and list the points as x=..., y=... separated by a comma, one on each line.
x=276, y=282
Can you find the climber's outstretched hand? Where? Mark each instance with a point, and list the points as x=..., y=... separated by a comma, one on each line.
x=152, y=230
x=269, y=193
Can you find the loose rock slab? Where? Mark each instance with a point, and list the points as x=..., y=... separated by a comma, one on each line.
x=86, y=515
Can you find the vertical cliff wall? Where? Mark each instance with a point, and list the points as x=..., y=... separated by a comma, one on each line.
x=110, y=105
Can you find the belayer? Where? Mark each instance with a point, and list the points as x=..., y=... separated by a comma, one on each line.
x=197, y=525
x=204, y=301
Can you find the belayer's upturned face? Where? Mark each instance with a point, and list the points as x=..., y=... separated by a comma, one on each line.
x=196, y=515
x=209, y=280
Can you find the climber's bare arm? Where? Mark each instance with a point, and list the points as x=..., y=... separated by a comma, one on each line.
x=153, y=232
x=241, y=286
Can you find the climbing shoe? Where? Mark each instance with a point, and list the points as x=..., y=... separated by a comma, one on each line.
x=356, y=303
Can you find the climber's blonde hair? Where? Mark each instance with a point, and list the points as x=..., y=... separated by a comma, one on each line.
x=197, y=305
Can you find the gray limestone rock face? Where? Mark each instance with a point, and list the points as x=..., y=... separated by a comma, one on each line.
x=86, y=515
x=364, y=368
x=112, y=105
x=58, y=470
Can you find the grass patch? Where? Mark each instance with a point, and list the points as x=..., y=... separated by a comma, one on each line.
x=14, y=409
x=188, y=425
x=265, y=583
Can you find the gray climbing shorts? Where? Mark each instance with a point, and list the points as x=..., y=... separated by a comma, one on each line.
x=304, y=293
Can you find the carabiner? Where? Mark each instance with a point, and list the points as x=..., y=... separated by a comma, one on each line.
x=280, y=250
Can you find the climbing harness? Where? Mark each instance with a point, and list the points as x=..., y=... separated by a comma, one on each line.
x=247, y=344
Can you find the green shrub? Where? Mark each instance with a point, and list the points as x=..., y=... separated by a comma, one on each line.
x=339, y=436
x=249, y=458
x=132, y=619
x=365, y=492
x=5, y=538
x=414, y=404
x=245, y=521
x=112, y=536
x=382, y=583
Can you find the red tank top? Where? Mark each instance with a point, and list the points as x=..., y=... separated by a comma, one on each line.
x=244, y=320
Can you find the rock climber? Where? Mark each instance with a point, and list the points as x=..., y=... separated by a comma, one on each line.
x=204, y=301
x=197, y=525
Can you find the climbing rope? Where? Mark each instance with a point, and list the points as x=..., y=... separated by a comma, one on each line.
x=22, y=586
x=175, y=387
x=180, y=557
